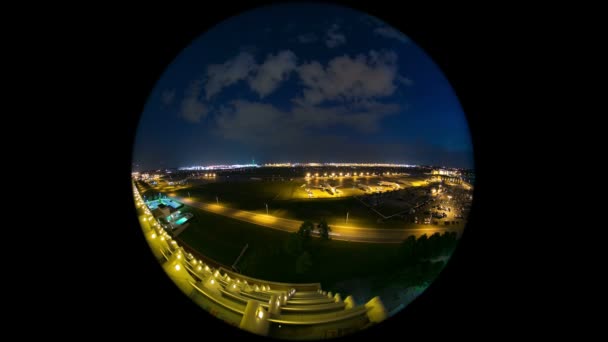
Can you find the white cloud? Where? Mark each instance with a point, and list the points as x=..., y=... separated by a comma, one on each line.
x=261, y=123
x=307, y=38
x=273, y=71
x=349, y=79
x=192, y=108
x=253, y=122
x=365, y=117
x=334, y=38
x=404, y=80
x=388, y=32
x=167, y=96
x=228, y=73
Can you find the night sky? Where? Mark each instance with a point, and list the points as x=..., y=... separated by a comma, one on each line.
x=302, y=83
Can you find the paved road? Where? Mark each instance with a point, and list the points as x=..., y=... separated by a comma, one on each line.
x=345, y=233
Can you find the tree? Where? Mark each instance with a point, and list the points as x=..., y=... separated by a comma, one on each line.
x=324, y=229
x=435, y=245
x=422, y=247
x=408, y=249
x=293, y=244
x=306, y=229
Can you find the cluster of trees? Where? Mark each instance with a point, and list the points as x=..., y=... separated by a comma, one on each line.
x=298, y=244
x=307, y=228
x=417, y=264
x=414, y=250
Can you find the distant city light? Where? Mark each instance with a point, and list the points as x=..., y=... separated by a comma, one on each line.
x=177, y=268
x=146, y=176
x=217, y=167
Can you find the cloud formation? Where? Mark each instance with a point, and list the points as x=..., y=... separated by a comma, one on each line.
x=228, y=73
x=262, y=78
x=253, y=123
x=273, y=71
x=350, y=79
x=389, y=32
x=192, y=108
x=333, y=37
x=261, y=123
x=404, y=80
x=345, y=92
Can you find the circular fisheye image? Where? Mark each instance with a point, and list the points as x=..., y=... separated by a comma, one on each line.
x=303, y=171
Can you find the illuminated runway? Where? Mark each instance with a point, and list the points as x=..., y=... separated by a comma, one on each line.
x=338, y=232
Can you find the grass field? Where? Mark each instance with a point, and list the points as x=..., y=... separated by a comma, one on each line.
x=339, y=266
x=222, y=239
x=243, y=195
x=252, y=196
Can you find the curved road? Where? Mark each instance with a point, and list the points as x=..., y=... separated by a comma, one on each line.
x=344, y=233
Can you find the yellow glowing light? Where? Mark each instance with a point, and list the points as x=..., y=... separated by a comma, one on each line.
x=212, y=281
x=199, y=268
x=308, y=174
x=177, y=268
x=179, y=256
x=340, y=174
x=153, y=236
x=162, y=238
x=260, y=314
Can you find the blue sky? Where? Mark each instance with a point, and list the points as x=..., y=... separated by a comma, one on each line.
x=302, y=83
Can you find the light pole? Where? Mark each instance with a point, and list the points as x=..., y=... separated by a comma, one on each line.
x=347, y=217
x=266, y=208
